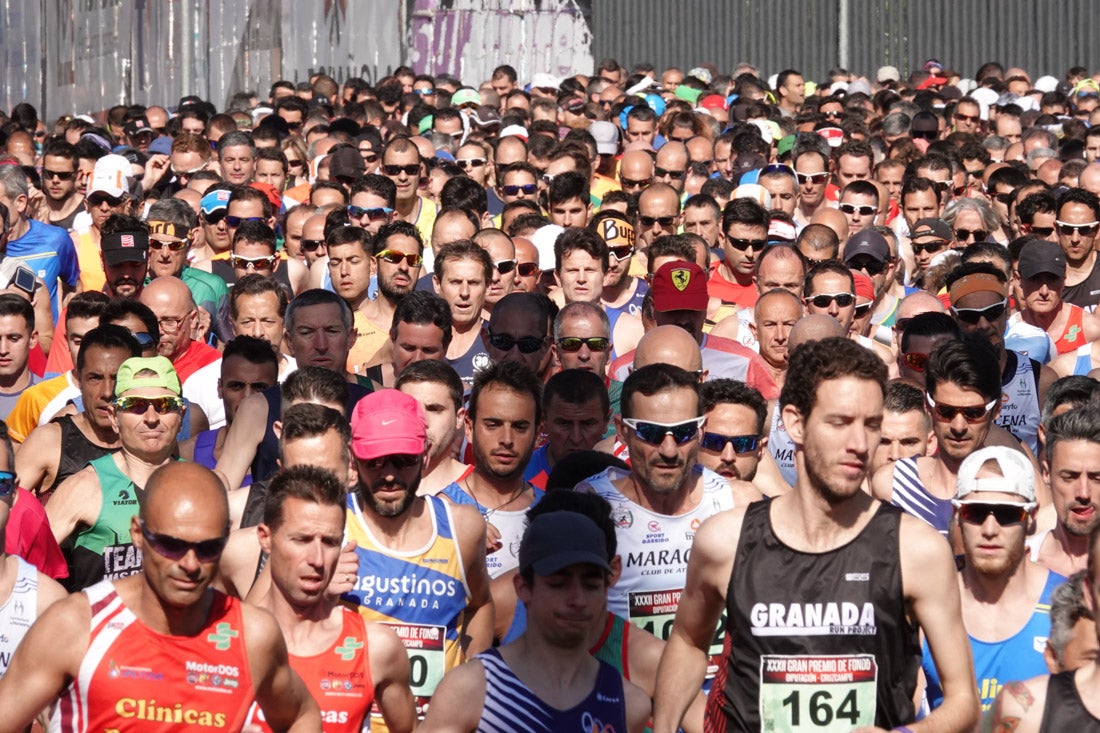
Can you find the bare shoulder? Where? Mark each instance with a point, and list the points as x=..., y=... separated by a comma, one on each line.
x=882, y=483
x=639, y=707
x=744, y=492
x=718, y=534
x=469, y=524
x=1018, y=707
x=384, y=644
x=49, y=592
x=261, y=630
x=922, y=550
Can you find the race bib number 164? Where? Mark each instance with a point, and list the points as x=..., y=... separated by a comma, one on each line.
x=818, y=693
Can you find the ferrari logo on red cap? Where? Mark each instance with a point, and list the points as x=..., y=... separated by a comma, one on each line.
x=681, y=278
x=126, y=240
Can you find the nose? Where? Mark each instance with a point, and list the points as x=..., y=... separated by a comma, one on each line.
x=894, y=451
x=990, y=528
x=189, y=562
x=958, y=424
x=857, y=440
x=834, y=308
x=317, y=554
x=668, y=447
x=1081, y=490
x=728, y=453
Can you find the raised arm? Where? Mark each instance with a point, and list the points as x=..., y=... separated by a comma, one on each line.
x=242, y=439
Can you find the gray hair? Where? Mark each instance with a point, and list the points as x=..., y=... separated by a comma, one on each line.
x=233, y=139
x=581, y=309
x=1067, y=607
x=173, y=211
x=14, y=181
x=991, y=219
x=1082, y=423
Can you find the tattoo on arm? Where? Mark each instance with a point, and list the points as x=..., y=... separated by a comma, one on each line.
x=1021, y=694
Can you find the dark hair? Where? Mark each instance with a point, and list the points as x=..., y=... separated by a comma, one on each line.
x=916, y=184
x=463, y=192
x=350, y=235
x=585, y=240
x=16, y=305
x=593, y=506
x=377, y=184
x=1080, y=196
x=827, y=266
x=120, y=308
x=251, y=349
x=393, y=228
x=422, y=307
x=1081, y=423
x=463, y=249
x=969, y=363
x=573, y=468
x=247, y=193
x=1040, y=202
x=733, y=392
x=537, y=303
x=902, y=397
x=255, y=231
x=654, y=378
x=435, y=372
x=308, y=483
x=314, y=297
x=106, y=336
x=314, y=384
x=512, y=376
x=861, y=187
x=122, y=223
x=1074, y=390
x=569, y=185
x=744, y=211
x=576, y=387
x=256, y=284
x=830, y=358
x=929, y=324
x=88, y=304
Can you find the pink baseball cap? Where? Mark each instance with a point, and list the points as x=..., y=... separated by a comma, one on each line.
x=387, y=423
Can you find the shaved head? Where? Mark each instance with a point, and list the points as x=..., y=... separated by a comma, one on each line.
x=813, y=327
x=668, y=345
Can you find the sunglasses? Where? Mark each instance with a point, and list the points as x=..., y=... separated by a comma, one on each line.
x=664, y=221
x=947, y=413
x=813, y=178
x=312, y=245
x=863, y=210
x=429, y=92
x=654, y=433
x=7, y=484
x=293, y=163
x=1004, y=198
x=399, y=461
x=98, y=199
x=156, y=244
x=1042, y=231
x=916, y=361
x=527, y=188
x=527, y=269
x=235, y=221
x=929, y=247
x=832, y=115
x=967, y=118
x=923, y=134
x=144, y=340
x=666, y=173
x=822, y=300
x=979, y=234
x=526, y=344
x=465, y=163
x=976, y=174
x=505, y=266
x=1085, y=230
x=140, y=405
x=573, y=344
x=1004, y=512
x=374, y=214
x=622, y=252
x=395, y=257
x=174, y=548
x=868, y=264
x=411, y=169
x=629, y=183
x=252, y=263
x=214, y=217
x=862, y=309
x=60, y=175
x=744, y=244
x=971, y=316
x=716, y=442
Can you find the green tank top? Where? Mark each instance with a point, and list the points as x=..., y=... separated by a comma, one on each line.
x=612, y=645
x=104, y=550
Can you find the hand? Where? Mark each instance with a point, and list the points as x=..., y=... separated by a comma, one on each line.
x=492, y=539
x=158, y=165
x=347, y=571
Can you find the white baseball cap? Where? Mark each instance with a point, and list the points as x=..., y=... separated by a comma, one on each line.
x=111, y=176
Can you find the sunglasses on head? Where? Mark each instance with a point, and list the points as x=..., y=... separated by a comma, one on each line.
x=654, y=432
x=174, y=548
x=929, y=247
x=868, y=264
x=863, y=210
x=60, y=175
x=648, y=221
x=1086, y=230
x=964, y=234
x=916, y=361
x=504, y=266
x=717, y=442
x=399, y=461
x=813, y=178
x=410, y=170
x=527, y=269
x=7, y=484
x=465, y=163
x=1004, y=512
x=947, y=413
x=396, y=257
x=252, y=263
x=574, y=343
x=971, y=316
x=235, y=221
x=621, y=252
x=156, y=244
x=526, y=344
x=136, y=405
x=822, y=300
x=312, y=245
x=527, y=188
x=373, y=214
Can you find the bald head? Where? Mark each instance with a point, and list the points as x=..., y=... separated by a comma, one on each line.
x=834, y=219
x=919, y=302
x=813, y=327
x=636, y=165
x=21, y=147
x=1090, y=178
x=668, y=345
x=167, y=289
x=182, y=492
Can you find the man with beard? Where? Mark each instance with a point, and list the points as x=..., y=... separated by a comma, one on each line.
x=60, y=171
x=503, y=420
x=421, y=558
x=124, y=244
x=660, y=503
x=1070, y=467
x=1005, y=597
x=733, y=437
x=825, y=545
x=576, y=410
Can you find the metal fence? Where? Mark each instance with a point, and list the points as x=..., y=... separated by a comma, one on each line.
x=813, y=36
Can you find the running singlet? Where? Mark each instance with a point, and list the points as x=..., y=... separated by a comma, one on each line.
x=828, y=647
x=1020, y=400
x=1063, y=709
x=654, y=549
x=908, y=493
x=135, y=679
x=204, y=453
x=781, y=447
x=511, y=706
x=19, y=611
x=510, y=524
x=76, y=450
x=421, y=594
x=469, y=364
x=104, y=550
x=1073, y=335
x=338, y=678
x=1018, y=657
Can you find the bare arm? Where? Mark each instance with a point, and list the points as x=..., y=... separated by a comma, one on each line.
x=36, y=461
x=458, y=701
x=470, y=530
x=389, y=669
x=684, y=662
x=242, y=439
x=638, y=708
x=643, y=657
x=882, y=483
x=280, y=692
x=44, y=663
x=932, y=591
x=237, y=568
x=75, y=503
x=1015, y=709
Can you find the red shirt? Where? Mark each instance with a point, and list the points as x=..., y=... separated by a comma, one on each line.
x=729, y=291
x=195, y=358
x=28, y=535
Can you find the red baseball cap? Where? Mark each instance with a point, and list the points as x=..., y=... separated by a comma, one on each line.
x=387, y=423
x=679, y=286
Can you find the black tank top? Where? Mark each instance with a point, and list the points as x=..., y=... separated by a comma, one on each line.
x=1064, y=710
x=76, y=450
x=829, y=645
x=1087, y=292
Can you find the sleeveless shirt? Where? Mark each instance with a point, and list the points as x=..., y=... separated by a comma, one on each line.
x=338, y=678
x=510, y=524
x=469, y=364
x=1063, y=709
x=76, y=450
x=612, y=646
x=511, y=706
x=104, y=551
x=135, y=679
x=781, y=446
x=827, y=646
x=1020, y=400
x=909, y=493
x=204, y=452
x=19, y=611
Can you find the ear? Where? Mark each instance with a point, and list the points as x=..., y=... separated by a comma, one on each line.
x=263, y=532
x=460, y=417
x=1051, y=659
x=752, y=323
x=616, y=569
x=135, y=533
x=468, y=428
x=220, y=395
x=276, y=427
x=933, y=444
x=793, y=422
x=523, y=591
x=435, y=284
